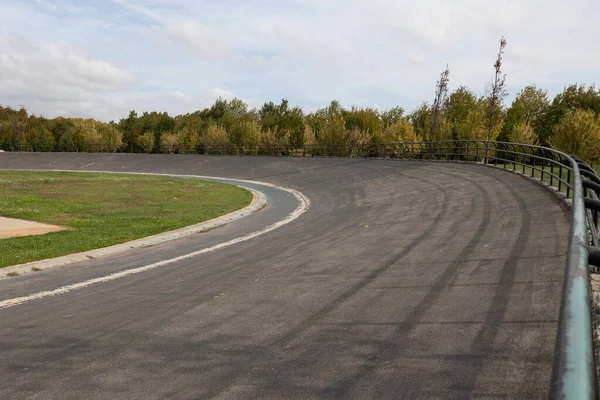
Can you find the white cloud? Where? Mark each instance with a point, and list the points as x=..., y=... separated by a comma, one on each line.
x=216, y=92
x=55, y=76
x=198, y=37
x=61, y=65
x=179, y=55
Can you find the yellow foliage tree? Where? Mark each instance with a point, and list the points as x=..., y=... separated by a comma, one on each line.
x=359, y=142
x=215, y=140
x=523, y=133
x=146, y=141
x=248, y=132
x=110, y=137
x=578, y=133
x=187, y=139
x=169, y=143
x=400, y=131
x=309, y=136
x=334, y=131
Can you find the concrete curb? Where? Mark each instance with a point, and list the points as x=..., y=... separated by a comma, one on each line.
x=259, y=201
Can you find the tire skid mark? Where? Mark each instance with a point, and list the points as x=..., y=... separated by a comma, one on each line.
x=309, y=322
x=342, y=388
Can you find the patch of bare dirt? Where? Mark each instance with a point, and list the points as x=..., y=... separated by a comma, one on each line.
x=11, y=227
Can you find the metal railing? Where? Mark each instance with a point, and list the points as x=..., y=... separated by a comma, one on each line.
x=574, y=368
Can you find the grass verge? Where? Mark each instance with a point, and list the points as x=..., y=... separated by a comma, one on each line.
x=104, y=209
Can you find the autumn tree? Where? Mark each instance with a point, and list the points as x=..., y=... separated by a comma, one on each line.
x=578, y=133
x=496, y=93
x=309, y=136
x=146, y=141
x=358, y=142
x=400, y=131
x=111, y=137
x=169, y=143
x=523, y=133
x=215, y=140
x=441, y=91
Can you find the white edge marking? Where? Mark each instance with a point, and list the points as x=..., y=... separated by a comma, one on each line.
x=304, y=204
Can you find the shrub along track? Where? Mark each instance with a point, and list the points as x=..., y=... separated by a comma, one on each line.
x=404, y=280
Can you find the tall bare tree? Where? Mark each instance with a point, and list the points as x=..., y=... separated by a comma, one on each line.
x=496, y=90
x=441, y=91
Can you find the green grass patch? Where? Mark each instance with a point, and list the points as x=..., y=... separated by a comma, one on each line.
x=104, y=209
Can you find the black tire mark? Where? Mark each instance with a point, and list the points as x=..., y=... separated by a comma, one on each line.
x=345, y=296
x=341, y=389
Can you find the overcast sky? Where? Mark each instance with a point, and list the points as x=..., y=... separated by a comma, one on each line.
x=96, y=58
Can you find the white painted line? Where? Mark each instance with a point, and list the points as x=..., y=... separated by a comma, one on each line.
x=304, y=204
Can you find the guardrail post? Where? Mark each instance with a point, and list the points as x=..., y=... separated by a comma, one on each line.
x=569, y=181
x=543, y=164
x=533, y=159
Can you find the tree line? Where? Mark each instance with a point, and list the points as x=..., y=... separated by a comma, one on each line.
x=569, y=122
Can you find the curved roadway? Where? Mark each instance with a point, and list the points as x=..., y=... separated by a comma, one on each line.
x=403, y=280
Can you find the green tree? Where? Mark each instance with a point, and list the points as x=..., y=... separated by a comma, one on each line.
x=37, y=139
x=366, y=120
x=420, y=119
x=59, y=126
x=530, y=105
x=459, y=103
x=578, y=133
x=131, y=128
x=146, y=141
x=572, y=98
x=474, y=125
x=217, y=110
x=334, y=132
x=246, y=133
x=391, y=116
x=292, y=122
x=286, y=123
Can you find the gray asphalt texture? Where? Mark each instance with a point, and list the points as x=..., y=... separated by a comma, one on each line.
x=404, y=280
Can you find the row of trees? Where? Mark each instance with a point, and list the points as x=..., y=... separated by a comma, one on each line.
x=570, y=122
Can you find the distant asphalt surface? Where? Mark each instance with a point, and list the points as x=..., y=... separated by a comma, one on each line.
x=404, y=280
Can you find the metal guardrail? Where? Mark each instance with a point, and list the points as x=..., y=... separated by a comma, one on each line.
x=574, y=368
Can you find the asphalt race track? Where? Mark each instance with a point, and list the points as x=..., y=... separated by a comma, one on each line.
x=404, y=280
